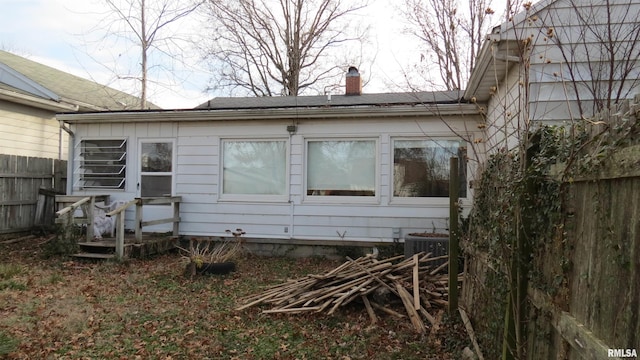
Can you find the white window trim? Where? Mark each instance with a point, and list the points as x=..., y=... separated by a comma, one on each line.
x=77, y=175
x=320, y=199
x=174, y=164
x=254, y=198
x=427, y=201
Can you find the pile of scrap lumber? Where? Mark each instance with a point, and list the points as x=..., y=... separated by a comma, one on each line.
x=419, y=282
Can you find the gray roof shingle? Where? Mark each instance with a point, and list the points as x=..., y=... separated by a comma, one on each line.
x=383, y=99
x=70, y=87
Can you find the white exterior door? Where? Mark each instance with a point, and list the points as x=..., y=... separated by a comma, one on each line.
x=156, y=178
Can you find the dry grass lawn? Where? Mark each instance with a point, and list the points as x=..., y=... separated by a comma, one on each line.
x=146, y=309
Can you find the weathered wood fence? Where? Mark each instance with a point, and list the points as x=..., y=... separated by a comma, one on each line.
x=27, y=191
x=583, y=293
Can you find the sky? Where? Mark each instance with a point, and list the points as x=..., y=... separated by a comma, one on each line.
x=62, y=34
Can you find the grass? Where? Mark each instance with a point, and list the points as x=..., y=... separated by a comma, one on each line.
x=148, y=309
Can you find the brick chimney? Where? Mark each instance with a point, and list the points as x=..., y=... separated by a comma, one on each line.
x=354, y=83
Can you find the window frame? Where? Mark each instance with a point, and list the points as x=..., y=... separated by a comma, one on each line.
x=422, y=200
x=78, y=165
x=339, y=199
x=254, y=197
x=174, y=164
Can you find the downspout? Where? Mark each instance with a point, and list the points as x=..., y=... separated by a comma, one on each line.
x=291, y=204
x=70, y=154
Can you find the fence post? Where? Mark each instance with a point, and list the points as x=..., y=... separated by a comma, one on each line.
x=454, y=189
x=120, y=236
x=138, y=219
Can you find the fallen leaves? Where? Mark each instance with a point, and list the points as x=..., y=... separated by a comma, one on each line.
x=146, y=309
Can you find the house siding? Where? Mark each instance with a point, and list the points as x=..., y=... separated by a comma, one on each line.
x=553, y=98
x=204, y=212
x=28, y=131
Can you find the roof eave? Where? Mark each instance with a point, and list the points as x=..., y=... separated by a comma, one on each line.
x=270, y=114
x=36, y=102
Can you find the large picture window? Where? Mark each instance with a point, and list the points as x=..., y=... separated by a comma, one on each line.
x=421, y=167
x=102, y=164
x=254, y=167
x=341, y=168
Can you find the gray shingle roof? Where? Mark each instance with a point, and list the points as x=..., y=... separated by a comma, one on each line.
x=70, y=87
x=384, y=99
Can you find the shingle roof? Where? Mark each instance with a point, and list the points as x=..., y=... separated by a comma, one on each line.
x=384, y=99
x=75, y=89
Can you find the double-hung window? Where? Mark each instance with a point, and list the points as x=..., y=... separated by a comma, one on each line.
x=341, y=167
x=253, y=168
x=421, y=167
x=101, y=164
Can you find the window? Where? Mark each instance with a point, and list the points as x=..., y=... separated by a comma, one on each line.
x=254, y=167
x=102, y=164
x=341, y=168
x=156, y=168
x=421, y=167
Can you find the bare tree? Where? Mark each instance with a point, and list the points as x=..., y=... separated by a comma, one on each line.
x=598, y=57
x=280, y=47
x=452, y=36
x=145, y=24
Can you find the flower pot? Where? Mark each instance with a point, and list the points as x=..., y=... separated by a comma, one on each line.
x=221, y=268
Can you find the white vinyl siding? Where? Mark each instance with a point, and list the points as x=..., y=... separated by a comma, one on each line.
x=206, y=211
x=27, y=131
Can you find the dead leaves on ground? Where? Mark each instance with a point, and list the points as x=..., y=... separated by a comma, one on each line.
x=147, y=309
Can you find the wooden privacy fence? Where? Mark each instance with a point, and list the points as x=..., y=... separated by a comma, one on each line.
x=582, y=298
x=27, y=189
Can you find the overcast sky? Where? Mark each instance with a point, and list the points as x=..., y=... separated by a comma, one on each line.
x=51, y=32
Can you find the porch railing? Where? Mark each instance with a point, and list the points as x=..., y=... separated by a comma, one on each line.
x=70, y=204
x=66, y=216
x=139, y=224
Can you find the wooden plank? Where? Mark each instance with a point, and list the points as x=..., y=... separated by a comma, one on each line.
x=417, y=322
x=583, y=341
x=17, y=202
x=470, y=332
x=416, y=283
x=25, y=176
x=160, y=221
x=454, y=186
x=367, y=305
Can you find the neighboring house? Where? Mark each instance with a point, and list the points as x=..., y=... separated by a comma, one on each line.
x=557, y=61
x=362, y=167
x=30, y=96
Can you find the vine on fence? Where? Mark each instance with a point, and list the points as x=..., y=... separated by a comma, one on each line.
x=520, y=214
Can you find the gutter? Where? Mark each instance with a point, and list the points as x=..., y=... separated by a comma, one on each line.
x=270, y=114
x=36, y=102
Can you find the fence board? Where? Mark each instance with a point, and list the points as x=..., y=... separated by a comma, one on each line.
x=21, y=179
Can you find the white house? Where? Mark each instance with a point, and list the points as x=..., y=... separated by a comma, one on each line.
x=556, y=62
x=349, y=168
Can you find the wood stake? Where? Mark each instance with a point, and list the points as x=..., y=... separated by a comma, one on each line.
x=367, y=305
x=416, y=283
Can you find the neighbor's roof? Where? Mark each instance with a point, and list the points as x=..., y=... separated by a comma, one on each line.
x=29, y=78
x=384, y=99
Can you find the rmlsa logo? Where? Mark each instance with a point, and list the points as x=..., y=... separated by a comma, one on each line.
x=622, y=353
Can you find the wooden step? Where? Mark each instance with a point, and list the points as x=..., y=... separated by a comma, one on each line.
x=95, y=256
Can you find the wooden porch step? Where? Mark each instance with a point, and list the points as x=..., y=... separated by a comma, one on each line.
x=94, y=256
